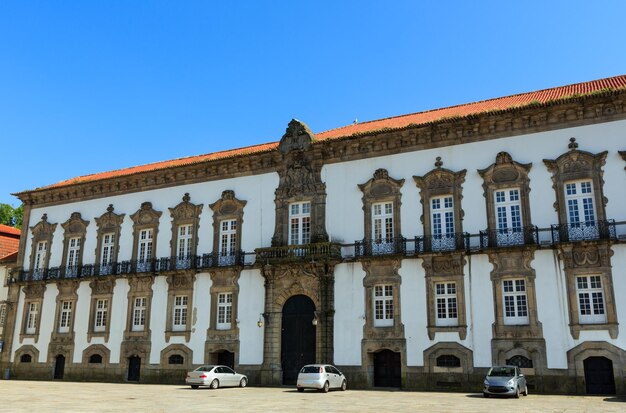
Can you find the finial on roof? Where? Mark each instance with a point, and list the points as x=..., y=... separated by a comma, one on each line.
x=572, y=144
x=110, y=208
x=186, y=197
x=44, y=217
x=438, y=162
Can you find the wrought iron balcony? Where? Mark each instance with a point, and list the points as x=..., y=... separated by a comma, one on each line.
x=305, y=252
x=384, y=246
x=584, y=231
x=509, y=237
x=459, y=241
x=220, y=260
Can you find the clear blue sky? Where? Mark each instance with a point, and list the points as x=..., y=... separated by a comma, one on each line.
x=91, y=86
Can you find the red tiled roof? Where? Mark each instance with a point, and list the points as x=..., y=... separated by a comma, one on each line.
x=397, y=122
x=5, y=229
x=9, y=244
x=9, y=258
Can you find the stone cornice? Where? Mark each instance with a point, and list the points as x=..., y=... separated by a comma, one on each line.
x=569, y=112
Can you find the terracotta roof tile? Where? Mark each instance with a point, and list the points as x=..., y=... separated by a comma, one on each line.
x=5, y=229
x=396, y=122
x=9, y=258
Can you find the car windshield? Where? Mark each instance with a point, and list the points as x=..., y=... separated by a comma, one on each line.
x=501, y=372
x=311, y=369
x=204, y=368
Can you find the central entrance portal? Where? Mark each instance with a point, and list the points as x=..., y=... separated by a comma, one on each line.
x=297, y=337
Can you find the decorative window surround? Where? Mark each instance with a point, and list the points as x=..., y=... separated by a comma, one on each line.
x=382, y=273
x=227, y=208
x=67, y=296
x=42, y=233
x=101, y=290
x=109, y=228
x=299, y=223
x=140, y=287
x=589, y=260
x=381, y=189
x=33, y=296
x=224, y=281
x=383, y=305
x=180, y=284
x=185, y=215
x=75, y=230
x=96, y=350
x=177, y=350
x=27, y=351
x=445, y=269
x=145, y=219
x=464, y=354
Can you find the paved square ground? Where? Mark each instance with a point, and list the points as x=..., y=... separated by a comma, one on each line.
x=61, y=397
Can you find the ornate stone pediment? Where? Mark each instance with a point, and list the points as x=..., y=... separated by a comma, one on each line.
x=34, y=291
x=185, y=210
x=109, y=221
x=75, y=225
x=228, y=205
x=146, y=215
x=141, y=285
x=181, y=281
x=297, y=136
x=505, y=171
x=102, y=286
x=448, y=265
x=43, y=230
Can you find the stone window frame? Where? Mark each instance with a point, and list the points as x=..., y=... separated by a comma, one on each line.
x=67, y=292
x=576, y=165
x=33, y=293
x=108, y=223
x=576, y=357
x=139, y=287
x=101, y=289
x=177, y=349
x=585, y=260
x=42, y=231
x=179, y=284
x=100, y=350
x=382, y=273
x=440, y=182
x=445, y=269
x=381, y=188
x=185, y=213
x=509, y=265
x=464, y=354
x=74, y=227
x=29, y=350
x=145, y=218
x=505, y=173
x=227, y=207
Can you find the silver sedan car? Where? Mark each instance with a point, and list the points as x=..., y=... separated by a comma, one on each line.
x=321, y=377
x=214, y=377
x=505, y=381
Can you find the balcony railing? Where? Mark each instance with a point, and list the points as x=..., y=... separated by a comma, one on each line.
x=384, y=246
x=584, y=231
x=319, y=250
x=509, y=237
x=459, y=241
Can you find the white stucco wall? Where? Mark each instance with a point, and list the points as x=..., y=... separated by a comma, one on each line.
x=413, y=310
x=349, y=313
x=250, y=307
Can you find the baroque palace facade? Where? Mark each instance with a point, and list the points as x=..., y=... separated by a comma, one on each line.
x=413, y=251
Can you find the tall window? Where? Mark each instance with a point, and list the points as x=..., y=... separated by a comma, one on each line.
x=579, y=198
x=228, y=241
x=447, y=310
x=40, y=256
x=65, y=318
x=299, y=223
x=515, y=302
x=31, y=320
x=590, y=299
x=73, y=252
x=101, y=318
x=3, y=314
x=139, y=314
x=382, y=225
x=442, y=222
x=144, y=252
x=383, y=305
x=179, y=321
x=224, y=310
x=184, y=240
x=106, y=256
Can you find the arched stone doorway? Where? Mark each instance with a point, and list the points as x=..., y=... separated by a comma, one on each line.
x=599, y=378
x=387, y=369
x=59, y=367
x=298, y=336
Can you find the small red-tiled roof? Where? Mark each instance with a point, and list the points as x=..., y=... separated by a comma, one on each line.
x=397, y=122
x=9, y=258
x=9, y=240
x=5, y=229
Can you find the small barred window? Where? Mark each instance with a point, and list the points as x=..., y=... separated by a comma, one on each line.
x=176, y=359
x=448, y=360
x=520, y=361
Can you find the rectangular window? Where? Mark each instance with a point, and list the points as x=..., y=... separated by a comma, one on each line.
x=65, y=317
x=382, y=222
x=590, y=299
x=299, y=223
x=139, y=313
x=580, y=206
x=3, y=314
x=508, y=210
x=446, y=301
x=179, y=321
x=73, y=252
x=442, y=223
x=383, y=305
x=144, y=252
x=106, y=255
x=101, y=316
x=228, y=237
x=224, y=310
x=31, y=320
x=185, y=237
x=40, y=256
x=515, y=302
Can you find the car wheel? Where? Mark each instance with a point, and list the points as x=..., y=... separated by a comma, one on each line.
x=194, y=386
x=325, y=388
x=525, y=390
x=485, y=395
x=344, y=385
x=243, y=382
x=215, y=384
x=517, y=393
x=300, y=389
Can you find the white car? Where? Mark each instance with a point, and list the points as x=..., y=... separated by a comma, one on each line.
x=214, y=377
x=321, y=377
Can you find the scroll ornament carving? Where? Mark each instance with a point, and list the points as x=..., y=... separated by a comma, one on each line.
x=110, y=220
x=587, y=256
x=180, y=281
x=297, y=136
x=146, y=215
x=102, y=286
x=43, y=229
x=33, y=291
x=141, y=284
x=75, y=225
x=185, y=210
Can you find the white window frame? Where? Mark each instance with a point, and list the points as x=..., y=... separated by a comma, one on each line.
x=228, y=237
x=591, y=302
x=106, y=255
x=382, y=222
x=382, y=295
x=224, y=311
x=185, y=239
x=65, y=317
x=73, y=252
x=579, y=201
x=101, y=317
x=515, y=301
x=300, y=223
x=40, y=255
x=144, y=247
x=140, y=305
x=442, y=215
x=508, y=209
x=446, y=304
x=31, y=318
x=179, y=312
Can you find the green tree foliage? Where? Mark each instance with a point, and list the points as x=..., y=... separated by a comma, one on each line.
x=11, y=216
